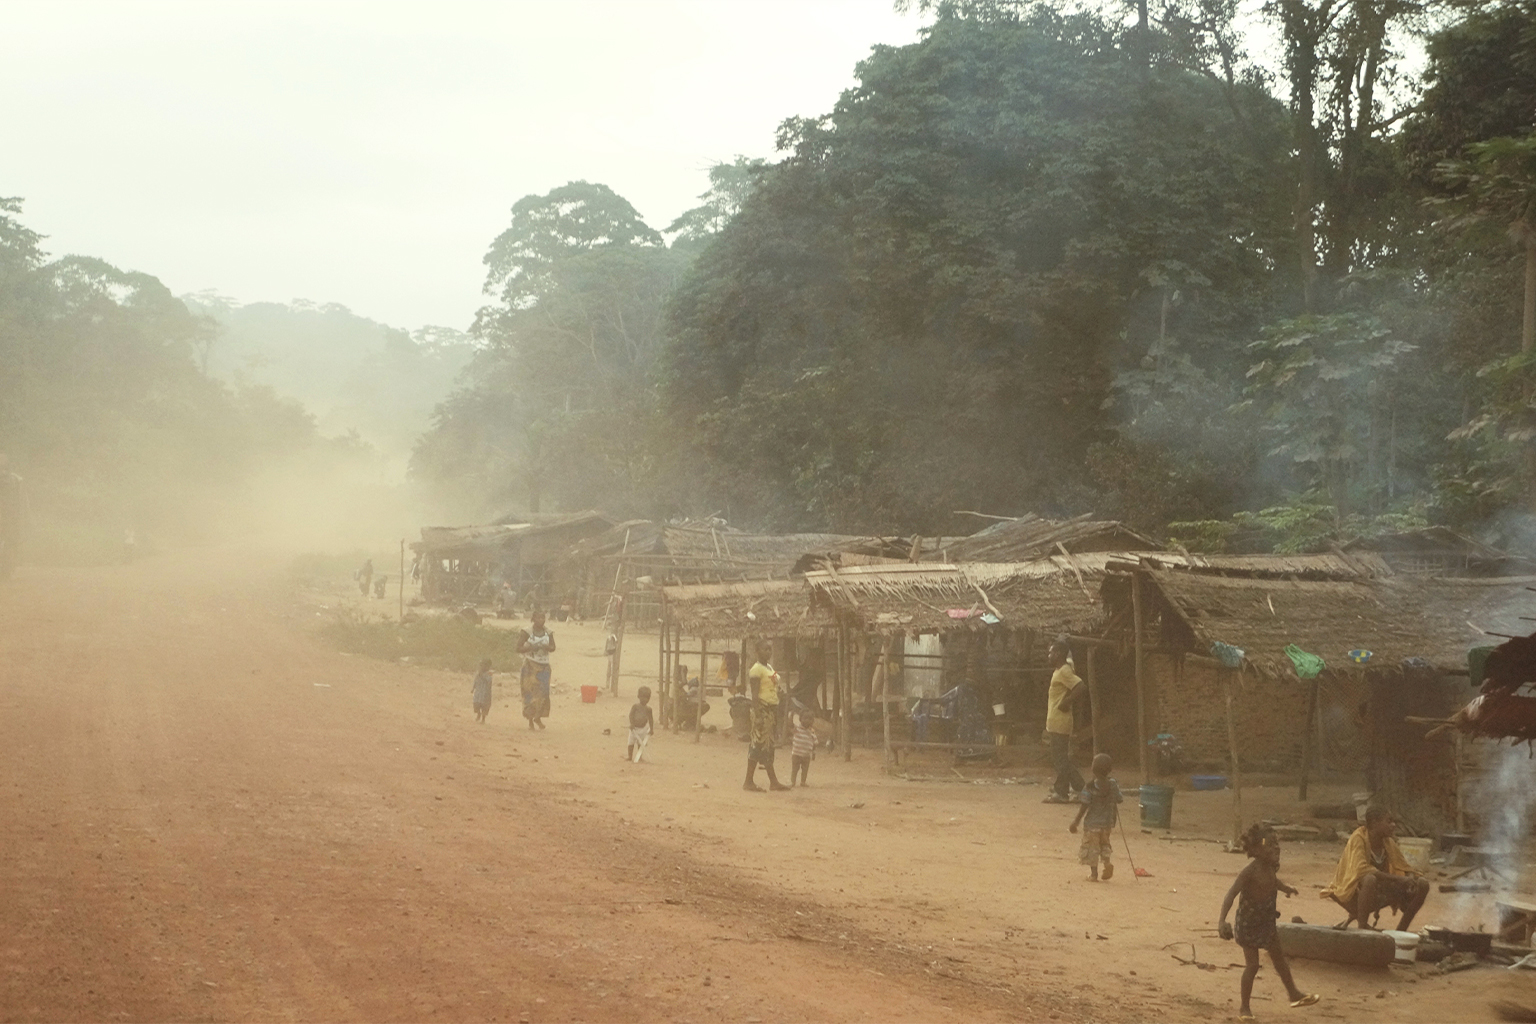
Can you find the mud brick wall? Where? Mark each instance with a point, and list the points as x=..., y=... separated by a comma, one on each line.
x=1190, y=702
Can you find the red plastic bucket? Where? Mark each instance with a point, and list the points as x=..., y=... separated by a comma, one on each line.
x=589, y=695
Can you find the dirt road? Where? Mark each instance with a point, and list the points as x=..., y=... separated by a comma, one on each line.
x=206, y=814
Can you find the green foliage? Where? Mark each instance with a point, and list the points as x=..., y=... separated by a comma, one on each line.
x=938, y=281
x=1298, y=527
x=729, y=186
x=546, y=231
x=106, y=414
x=353, y=373
x=1497, y=181
x=434, y=641
x=1317, y=388
x=560, y=403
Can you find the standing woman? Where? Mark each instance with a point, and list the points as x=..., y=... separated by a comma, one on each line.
x=538, y=644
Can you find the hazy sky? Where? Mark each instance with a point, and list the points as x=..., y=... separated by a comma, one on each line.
x=367, y=153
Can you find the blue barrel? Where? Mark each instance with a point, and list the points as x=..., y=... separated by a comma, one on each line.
x=1156, y=806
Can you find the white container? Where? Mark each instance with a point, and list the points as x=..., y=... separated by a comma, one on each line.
x=997, y=709
x=1362, y=802
x=1416, y=852
x=1407, y=944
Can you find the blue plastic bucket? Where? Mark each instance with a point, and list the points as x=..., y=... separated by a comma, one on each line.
x=1156, y=806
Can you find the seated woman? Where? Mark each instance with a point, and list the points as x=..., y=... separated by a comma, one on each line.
x=1373, y=875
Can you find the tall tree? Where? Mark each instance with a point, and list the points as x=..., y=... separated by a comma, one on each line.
x=924, y=304
x=559, y=403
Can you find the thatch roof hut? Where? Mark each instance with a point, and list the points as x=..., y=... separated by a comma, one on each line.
x=466, y=563
x=1047, y=594
x=1396, y=618
x=746, y=609
x=1029, y=537
x=1355, y=717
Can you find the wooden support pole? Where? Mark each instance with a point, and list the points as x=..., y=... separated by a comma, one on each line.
x=838, y=668
x=1306, y=742
x=852, y=651
x=1141, y=686
x=1093, y=698
x=661, y=663
x=1230, y=685
x=883, y=679
x=402, y=581
x=618, y=648
x=698, y=715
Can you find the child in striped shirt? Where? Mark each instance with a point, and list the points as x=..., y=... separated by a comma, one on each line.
x=802, y=748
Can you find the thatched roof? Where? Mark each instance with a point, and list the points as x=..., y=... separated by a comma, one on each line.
x=1338, y=566
x=1030, y=537
x=754, y=608
x=480, y=542
x=1396, y=618
x=1049, y=594
x=690, y=553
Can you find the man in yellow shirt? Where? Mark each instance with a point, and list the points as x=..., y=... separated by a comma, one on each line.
x=763, y=682
x=1373, y=875
x=1058, y=723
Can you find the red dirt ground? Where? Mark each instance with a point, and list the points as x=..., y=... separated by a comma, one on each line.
x=206, y=814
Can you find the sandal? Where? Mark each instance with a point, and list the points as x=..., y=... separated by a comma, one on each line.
x=1306, y=1000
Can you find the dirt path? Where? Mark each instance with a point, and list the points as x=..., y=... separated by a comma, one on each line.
x=205, y=814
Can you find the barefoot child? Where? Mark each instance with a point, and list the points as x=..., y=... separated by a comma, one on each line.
x=641, y=722
x=1257, y=885
x=481, y=692
x=1098, y=813
x=802, y=748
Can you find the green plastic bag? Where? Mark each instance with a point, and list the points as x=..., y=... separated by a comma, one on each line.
x=1307, y=665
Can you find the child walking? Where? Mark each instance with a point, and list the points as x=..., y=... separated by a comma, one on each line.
x=480, y=692
x=641, y=722
x=1255, y=889
x=802, y=747
x=1098, y=811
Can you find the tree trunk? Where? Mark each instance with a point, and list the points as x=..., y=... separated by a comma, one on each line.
x=1528, y=321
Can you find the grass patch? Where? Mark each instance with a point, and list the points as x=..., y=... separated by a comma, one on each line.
x=446, y=642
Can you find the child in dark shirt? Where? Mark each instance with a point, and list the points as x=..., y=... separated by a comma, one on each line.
x=1100, y=809
x=641, y=722
x=1257, y=884
x=481, y=691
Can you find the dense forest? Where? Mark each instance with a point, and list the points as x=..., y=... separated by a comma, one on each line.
x=1033, y=262
x=1054, y=263
x=110, y=415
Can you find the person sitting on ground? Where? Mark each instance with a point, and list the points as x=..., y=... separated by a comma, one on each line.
x=1099, y=812
x=481, y=691
x=1059, y=723
x=641, y=722
x=803, y=748
x=1257, y=885
x=1373, y=875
